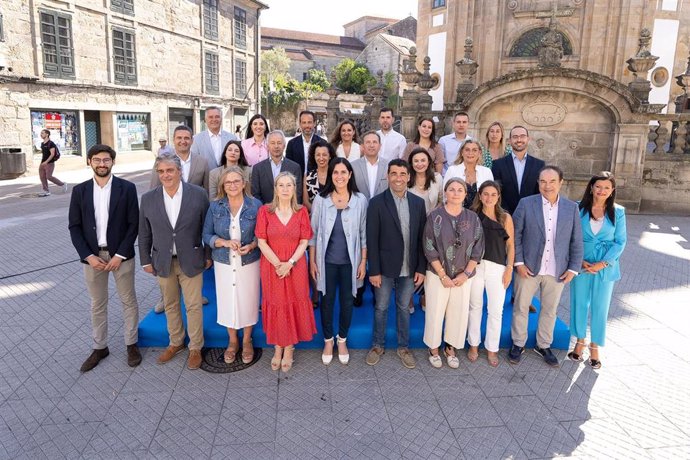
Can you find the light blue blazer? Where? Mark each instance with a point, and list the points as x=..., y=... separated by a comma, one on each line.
x=530, y=235
x=201, y=145
x=606, y=245
x=354, y=218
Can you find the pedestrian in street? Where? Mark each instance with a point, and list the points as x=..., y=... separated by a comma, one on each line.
x=49, y=155
x=171, y=221
x=604, y=234
x=103, y=224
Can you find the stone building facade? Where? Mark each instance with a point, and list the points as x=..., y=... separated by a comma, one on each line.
x=124, y=72
x=586, y=109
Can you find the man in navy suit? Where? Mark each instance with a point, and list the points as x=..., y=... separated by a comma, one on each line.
x=298, y=147
x=548, y=255
x=517, y=173
x=103, y=225
x=395, y=225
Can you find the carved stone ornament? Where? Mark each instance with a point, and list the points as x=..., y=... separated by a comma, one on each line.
x=546, y=112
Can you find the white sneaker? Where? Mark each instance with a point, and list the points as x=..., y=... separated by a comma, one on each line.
x=44, y=193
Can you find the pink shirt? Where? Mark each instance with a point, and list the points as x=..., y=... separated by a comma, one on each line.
x=254, y=152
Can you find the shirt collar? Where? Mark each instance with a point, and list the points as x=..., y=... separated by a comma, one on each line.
x=107, y=184
x=546, y=202
x=307, y=141
x=515, y=157
x=399, y=198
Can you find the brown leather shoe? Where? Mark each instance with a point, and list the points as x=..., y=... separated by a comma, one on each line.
x=194, y=360
x=169, y=353
x=94, y=358
x=133, y=355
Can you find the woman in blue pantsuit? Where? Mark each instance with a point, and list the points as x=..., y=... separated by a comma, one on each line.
x=604, y=234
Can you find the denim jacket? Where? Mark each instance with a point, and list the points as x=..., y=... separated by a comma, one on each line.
x=217, y=225
x=354, y=218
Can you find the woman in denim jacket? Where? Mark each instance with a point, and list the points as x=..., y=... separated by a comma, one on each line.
x=229, y=231
x=338, y=251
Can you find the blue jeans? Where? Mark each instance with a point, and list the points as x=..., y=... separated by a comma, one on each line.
x=339, y=276
x=404, y=288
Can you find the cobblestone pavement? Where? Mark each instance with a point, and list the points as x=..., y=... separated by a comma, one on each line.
x=636, y=406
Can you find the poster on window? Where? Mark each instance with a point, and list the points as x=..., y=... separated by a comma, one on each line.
x=133, y=131
x=63, y=127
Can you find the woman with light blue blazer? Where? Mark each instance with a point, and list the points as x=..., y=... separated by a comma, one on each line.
x=604, y=235
x=338, y=251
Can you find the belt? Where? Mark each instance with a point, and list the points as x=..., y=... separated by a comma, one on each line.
x=103, y=248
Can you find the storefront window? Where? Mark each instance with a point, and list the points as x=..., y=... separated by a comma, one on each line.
x=63, y=127
x=133, y=131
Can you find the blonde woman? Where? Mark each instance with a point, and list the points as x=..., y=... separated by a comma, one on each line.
x=468, y=168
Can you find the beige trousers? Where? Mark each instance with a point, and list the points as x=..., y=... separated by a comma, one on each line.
x=451, y=304
x=525, y=289
x=191, y=290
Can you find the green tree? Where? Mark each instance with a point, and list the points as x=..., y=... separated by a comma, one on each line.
x=353, y=77
x=317, y=80
x=274, y=63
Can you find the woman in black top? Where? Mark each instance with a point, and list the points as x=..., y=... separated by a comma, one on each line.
x=45, y=170
x=494, y=272
x=320, y=154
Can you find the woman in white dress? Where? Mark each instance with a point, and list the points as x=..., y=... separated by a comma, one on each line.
x=345, y=141
x=229, y=231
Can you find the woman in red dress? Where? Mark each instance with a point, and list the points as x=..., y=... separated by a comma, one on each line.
x=283, y=231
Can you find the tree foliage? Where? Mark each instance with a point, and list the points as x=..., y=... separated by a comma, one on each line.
x=353, y=77
x=274, y=63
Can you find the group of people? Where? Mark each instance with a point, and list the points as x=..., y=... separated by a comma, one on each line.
x=283, y=222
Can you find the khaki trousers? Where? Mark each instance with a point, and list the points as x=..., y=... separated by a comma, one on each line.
x=191, y=290
x=97, y=285
x=525, y=289
x=451, y=304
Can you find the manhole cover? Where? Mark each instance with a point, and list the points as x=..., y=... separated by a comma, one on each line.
x=31, y=195
x=213, y=361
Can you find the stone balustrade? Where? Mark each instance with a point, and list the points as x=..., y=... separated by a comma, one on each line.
x=669, y=134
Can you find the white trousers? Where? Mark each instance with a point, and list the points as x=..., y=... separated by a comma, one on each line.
x=451, y=304
x=490, y=277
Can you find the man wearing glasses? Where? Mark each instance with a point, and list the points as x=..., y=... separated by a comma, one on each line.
x=518, y=173
x=103, y=225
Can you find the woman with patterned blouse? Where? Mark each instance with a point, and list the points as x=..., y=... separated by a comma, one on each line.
x=495, y=146
x=320, y=154
x=453, y=245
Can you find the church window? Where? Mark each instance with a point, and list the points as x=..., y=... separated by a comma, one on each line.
x=528, y=44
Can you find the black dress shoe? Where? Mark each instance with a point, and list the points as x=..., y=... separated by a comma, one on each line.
x=133, y=355
x=547, y=354
x=532, y=308
x=515, y=354
x=94, y=358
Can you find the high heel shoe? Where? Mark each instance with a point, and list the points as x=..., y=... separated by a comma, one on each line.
x=277, y=358
x=344, y=358
x=594, y=362
x=326, y=359
x=286, y=363
x=576, y=354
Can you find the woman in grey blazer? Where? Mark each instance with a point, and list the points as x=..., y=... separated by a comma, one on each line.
x=338, y=251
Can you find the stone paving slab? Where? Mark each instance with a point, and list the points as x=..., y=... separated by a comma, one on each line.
x=636, y=406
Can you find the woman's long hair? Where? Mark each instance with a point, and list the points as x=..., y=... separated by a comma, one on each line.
x=588, y=197
x=293, y=201
x=478, y=206
x=459, y=159
x=241, y=161
x=432, y=136
x=330, y=186
x=250, y=133
x=429, y=173
x=311, y=156
x=336, y=139
x=502, y=142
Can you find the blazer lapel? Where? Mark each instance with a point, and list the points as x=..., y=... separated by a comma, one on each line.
x=89, y=207
x=539, y=215
x=390, y=205
x=160, y=207
x=114, y=198
x=511, y=172
x=186, y=202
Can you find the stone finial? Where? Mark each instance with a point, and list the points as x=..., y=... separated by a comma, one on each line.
x=683, y=80
x=426, y=81
x=379, y=89
x=333, y=90
x=467, y=67
x=643, y=43
x=639, y=65
x=409, y=73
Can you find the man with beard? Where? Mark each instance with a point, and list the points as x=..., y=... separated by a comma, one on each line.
x=103, y=225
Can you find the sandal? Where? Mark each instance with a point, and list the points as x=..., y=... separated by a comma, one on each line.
x=473, y=353
x=576, y=354
x=277, y=355
x=452, y=360
x=230, y=355
x=248, y=352
x=286, y=363
x=594, y=362
x=492, y=357
x=435, y=359
x=344, y=358
x=326, y=359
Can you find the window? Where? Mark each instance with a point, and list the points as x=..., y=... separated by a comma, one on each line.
x=211, y=72
x=56, y=36
x=529, y=43
x=240, y=78
x=134, y=131
x=122, y=6
x=211, y=19
x=240, y=28
x=438, y=3
x=124, y=57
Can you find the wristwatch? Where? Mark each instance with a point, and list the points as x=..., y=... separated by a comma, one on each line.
x=292, y=262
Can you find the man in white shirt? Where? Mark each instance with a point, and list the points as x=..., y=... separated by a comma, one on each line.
x=392, y=142
x=211, y=142
x=103, y=225
x=452, y=142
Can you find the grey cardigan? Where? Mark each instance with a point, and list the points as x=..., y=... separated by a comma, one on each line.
x=354, y=218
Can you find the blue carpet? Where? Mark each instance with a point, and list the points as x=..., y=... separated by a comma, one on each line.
x=153, y=331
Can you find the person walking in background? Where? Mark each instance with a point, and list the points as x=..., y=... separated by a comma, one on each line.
x=494, y=272
x=604, y=236
x=164, y=147
x=229, y=232
x=103, y=225
x=49, y=155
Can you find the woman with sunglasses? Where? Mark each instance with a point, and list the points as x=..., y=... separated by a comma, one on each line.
x=453, y=245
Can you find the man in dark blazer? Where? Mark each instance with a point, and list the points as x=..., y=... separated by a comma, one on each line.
x=103, y=225
x=209, y=143
x=517, y=173
x=298, y=147
x=170, y=247
x=265, y=172
x=548, y=255
x=395, y=225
